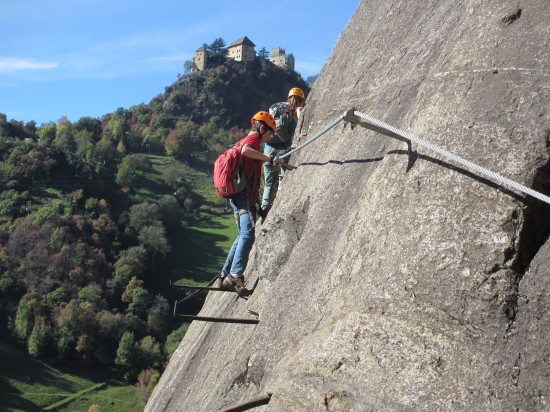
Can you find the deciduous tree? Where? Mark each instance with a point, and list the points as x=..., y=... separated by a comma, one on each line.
x=126, y=354
x=39, y=338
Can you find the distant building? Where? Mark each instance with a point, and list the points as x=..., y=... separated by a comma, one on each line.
x=281, y=59
x=200, y=59
x=242, y=50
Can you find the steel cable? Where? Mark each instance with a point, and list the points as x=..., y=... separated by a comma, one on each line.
x=322, y=132
x=381, y=127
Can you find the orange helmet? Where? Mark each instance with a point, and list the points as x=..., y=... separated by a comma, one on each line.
x=296, y=91
x=265, y=118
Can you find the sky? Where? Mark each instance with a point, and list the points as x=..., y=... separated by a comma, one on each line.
x=76, y=58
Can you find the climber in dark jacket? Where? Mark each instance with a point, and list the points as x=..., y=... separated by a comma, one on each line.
x=286, y=116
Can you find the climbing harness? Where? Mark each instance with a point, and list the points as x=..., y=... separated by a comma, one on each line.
x=356, y=118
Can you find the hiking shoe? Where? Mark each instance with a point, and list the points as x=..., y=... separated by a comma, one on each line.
x=236, y=285
x=219, y=282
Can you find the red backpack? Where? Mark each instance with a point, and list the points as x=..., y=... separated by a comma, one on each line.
x=228, y=176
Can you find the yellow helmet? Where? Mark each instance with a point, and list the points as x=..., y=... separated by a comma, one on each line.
x=266, y=118
x=296, y=91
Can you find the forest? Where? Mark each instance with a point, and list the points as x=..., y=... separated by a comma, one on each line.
x=77, y=248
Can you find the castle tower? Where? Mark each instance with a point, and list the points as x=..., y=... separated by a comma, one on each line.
x=242, y=50
x=290, y=62
x=278, y=56
x=200, y=59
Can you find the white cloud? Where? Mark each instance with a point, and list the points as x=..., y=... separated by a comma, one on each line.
x=11, y=64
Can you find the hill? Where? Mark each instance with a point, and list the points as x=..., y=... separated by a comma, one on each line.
x=231, y=92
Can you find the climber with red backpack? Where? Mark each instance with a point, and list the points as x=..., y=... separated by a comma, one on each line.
x=237, y=175
x=286, y=115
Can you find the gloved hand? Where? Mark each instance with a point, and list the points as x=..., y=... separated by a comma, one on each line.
x=275, y=157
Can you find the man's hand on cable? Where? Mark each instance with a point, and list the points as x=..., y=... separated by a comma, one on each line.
x=275, y=157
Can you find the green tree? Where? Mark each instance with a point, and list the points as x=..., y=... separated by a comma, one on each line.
x=3, y=126
x=8, y=287
x=64, y=141
x=85, y=346
x=154, y=239
x=174, y=176
x=126, y=174
x=188, y=66
x=123, y=274
x=116, y=125
x=263, y=53
x=91, y=294
x=156, y=103
x=105, y=151
x=158, y=317
x=126, y=354
x=92, y=206
x=173, y=340
x=57, y=296
x=74, y=197
x=45, y=214
x=110, y=328
x=88, y=124
x=38, y=339
x=23, y=319
x=16, y=153
x=140, y=301
x=130, y=264
x=47, y=132
x=216, y=51
x=149, y=352
x=131, y=287
x=73, y=322
x=142, y=215
x=182, y=141
x=147, y=380
x=85, y=146
x=170, y=211
x=59, y=237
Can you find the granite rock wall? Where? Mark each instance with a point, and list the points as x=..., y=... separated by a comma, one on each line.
x=389, y=278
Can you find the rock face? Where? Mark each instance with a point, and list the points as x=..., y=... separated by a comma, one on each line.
x=391, y=279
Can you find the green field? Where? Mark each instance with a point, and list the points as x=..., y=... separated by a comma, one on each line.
x=197, y=255
x=27, y=385
x=198, y=252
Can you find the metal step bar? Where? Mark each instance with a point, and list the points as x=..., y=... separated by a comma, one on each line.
x=252, y=403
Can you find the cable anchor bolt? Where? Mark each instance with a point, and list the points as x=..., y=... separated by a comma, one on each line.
x=351, y=118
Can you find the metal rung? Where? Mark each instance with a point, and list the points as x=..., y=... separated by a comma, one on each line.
x=252, y=403
x=201, y=288
x=219, y=320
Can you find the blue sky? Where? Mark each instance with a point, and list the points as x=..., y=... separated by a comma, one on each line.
x=78, y=58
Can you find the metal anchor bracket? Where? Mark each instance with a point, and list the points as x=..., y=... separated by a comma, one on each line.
x=354, y=120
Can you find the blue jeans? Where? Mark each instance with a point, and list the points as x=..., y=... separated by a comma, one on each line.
x=237, y=258
x=269, y=174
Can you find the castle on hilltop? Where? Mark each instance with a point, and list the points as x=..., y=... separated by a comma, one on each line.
x=242, y=50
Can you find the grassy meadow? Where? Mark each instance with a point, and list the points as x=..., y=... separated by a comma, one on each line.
x=28, y=384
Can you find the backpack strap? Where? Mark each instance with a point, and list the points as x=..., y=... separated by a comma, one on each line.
x=251, y=179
